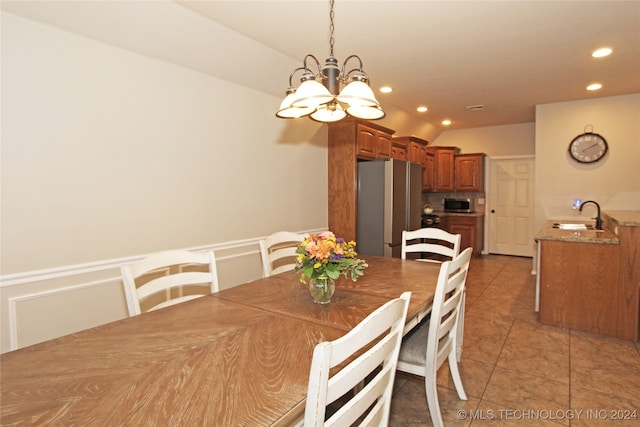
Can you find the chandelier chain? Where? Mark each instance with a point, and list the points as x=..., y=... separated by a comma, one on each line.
x=321, y=97
x=331, y=27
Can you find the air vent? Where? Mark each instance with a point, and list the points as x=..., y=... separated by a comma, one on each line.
x=475, y=107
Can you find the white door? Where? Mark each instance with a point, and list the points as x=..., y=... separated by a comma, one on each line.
x=510, y=198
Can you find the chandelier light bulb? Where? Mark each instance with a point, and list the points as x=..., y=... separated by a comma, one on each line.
x=328, y=113
x=288, y=111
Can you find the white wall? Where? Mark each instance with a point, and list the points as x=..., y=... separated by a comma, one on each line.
x=506, y=140
x=614, y=182
x=108, y=155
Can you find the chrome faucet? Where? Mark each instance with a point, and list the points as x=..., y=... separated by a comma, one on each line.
x=597, y=218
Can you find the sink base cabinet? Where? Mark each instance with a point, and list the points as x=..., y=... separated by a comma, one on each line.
x=579, y=289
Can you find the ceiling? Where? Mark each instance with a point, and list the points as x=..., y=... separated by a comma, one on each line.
x=508, y=56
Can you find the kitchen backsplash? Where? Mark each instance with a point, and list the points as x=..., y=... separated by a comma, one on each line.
x=435, y=200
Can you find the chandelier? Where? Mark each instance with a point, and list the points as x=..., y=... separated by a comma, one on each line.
x=319, y=96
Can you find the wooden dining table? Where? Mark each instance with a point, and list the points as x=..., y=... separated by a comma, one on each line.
x=239, y=357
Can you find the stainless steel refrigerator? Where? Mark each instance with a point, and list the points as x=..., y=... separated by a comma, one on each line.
x=389, y=200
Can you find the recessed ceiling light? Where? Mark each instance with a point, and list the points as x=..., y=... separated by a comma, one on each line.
x=422, y=109
x=446, y=122
x=594, y=86
x=602, y=52
x=386, y=89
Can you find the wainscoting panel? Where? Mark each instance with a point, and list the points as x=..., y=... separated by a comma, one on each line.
x=41, y=305
x=40, y=316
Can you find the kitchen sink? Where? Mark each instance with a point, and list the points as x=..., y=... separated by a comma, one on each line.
x=572, y=226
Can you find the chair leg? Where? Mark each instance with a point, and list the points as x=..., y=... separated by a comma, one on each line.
x=455, y=375
x=431, y=388
x=460, y=329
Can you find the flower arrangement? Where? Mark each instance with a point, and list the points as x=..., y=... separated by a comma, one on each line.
x=324, y=255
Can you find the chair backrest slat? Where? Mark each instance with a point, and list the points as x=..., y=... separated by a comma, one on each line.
x=166, y=271
x=278, y=252
x=376, y=341
x=430, y=240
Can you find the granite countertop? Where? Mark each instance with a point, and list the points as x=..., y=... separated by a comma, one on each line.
x=547, y=232
x=625, y=218
x=442, y=214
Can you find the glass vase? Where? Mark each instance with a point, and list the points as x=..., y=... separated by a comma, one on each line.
x=322, y=289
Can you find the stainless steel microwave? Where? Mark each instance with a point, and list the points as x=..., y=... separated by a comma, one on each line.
x=458, y=205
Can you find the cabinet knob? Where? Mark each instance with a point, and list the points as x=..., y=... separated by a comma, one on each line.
x=493, y=211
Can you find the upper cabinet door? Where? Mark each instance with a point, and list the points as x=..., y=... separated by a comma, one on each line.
x=366, y=142
x=469, y=172
x=383, y=146
x=444, y=174
x=416, y=152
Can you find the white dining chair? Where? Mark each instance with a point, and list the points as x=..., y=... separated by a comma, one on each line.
x=439, y=242
x=425, y=348
x=279, y=252
x=167, y=278
x=430, y=240
x=367, y=380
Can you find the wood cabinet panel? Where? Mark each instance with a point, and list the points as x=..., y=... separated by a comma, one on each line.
x=366, y=142
x=471, y=230
x=383, y=145
x=469, y=172
x=578, y=286
x=373, y=143
x=417, y=153
x=428, y=172
x=444, y=173
x=399, y=149
x=628, y=310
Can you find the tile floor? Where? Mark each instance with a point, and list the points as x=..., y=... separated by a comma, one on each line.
x=518, y=372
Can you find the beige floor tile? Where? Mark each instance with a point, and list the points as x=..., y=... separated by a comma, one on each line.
x=600, y=347
x=534, y=361
x=598, y=409
x=520, y=391
x=505, y=310
x=484, y=337
x=539, y=336
x=475, y=376
x=608, y=378
x=409, y=406
x=605, y=365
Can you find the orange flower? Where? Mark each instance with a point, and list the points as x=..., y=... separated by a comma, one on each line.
x=321, y=255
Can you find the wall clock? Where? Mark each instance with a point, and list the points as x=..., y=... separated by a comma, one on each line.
x=588, y=147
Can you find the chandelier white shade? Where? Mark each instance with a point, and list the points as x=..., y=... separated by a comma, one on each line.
x=319, y=96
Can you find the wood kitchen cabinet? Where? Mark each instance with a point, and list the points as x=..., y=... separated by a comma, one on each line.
x=428, y=182
x=579, y=288
x=444, y=173
x=418, y=154
x=469, y=172
x=470, y=228
x=589, y=280
x=400, y=149
x=373, y=142
x=350, y=140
